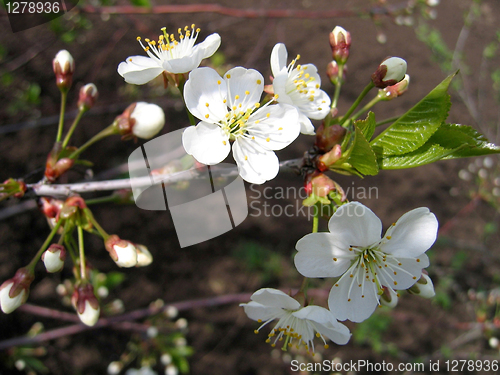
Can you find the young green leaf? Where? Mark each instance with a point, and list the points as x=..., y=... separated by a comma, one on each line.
x=367, y=126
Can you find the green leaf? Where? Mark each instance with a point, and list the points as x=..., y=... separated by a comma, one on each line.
x=450, y=141
x=415, y=127
x=361, y=155
x=367, y=126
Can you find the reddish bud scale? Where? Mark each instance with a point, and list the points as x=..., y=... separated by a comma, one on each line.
x=75, y=201
x=22, y=281
x=110, y=242
x=82, y=294
x=125, y=123
x=50, y=207
x=87, y=96
x=340, y=42
x=327, y=137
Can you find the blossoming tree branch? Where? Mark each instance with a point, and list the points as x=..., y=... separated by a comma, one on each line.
x=238, y=112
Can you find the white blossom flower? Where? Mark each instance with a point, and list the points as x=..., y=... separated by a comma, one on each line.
x=300, y=87
x=168, y=55
x=297, y=325
x=364, y=262
x=229, y=110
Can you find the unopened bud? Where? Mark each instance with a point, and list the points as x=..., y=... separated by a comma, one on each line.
x=389, y=298
x=423, y=287
x=64, y=67
x=87, y=97
x=333, y=72
x=391, y=92
x=390, y=71
x=327, y=137
x=330, y=158
x=340, y=41
x=14, y=292
x=123, y=252
x=142, y=120
x=85, y=303
x=53, y=258
x=144, y=257
x=50, y=207
x=12, y=188
x=320, y=185
x=54, y=171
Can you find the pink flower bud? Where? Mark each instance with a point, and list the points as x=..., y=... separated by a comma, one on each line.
x=391, y=92
x=12, y=188
x=340, y=41
x=53, y=258
x=87, y=97
x=123, y=252
x=327, y=137
x=390, y=71
x=333, y=72
x=50, y=207
x=64, y=67
x=85, y=303
x=14, y=292
x=320, y=185
x=330, y=158
x=142, y=120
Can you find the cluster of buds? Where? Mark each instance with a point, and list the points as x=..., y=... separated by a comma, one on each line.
x=142, y=120
x=64, y=67
x=127, y=254
x=87, y=97
x=85, y=303
x=390, y=71
x=14, y=292
x=53, y=258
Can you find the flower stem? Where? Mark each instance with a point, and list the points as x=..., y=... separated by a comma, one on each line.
x=94, y=222
x=81, y=252
x=72, y=128
x=372, y=102
x=36, y=258
x=110, y=130
x=356, y=103
x=338, y=85
x=64, y=96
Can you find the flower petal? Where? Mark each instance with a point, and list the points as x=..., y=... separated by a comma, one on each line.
x=412, y=235
x=206, y=142
x=209, y=45
x=274, y=127
x=408, y=271
x=306, y=126
x=316, y=254
x=246, y=85
x=270, y=297
x=356, y=225
x=257, y=311
x=348, y=300
x=203, y=88
x=139, y=70
x=255, y=164
x=279, y=56
x=325, y=323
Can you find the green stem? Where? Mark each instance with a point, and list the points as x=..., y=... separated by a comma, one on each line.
x=372, y=102
x=81, y=252
x=386, y=121
x=94, y=222
x=107, y=199
x=36, y=258
x=73, y=127
x=315, y=223
x=110, y=130
x=356, y=103
x=64, y=96
x=338, y=85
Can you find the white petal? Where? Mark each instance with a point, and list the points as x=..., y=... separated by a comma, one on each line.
x=206, y=142
x=306, y=126
x=255, y=164
x=316, y=256
x=325, y=323
x=210, y=45
x=275, y=298
x=276, y=131
x=139, y=69
x=414, y=233
x=320, y=107
x=279, y=56
x=355, y=224
x=242, y=81
x=350, y=301
x=9, y=304
x=257, y=311
x=201, y=88
x=90, y=315
x=184, y=64
x=408, y=271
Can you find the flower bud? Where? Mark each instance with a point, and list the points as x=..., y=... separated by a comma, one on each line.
x=320, y=185
x=12, y=188
x=389, y=72
x=50, y=207
x=123, y=252
x=340, y=41
x=14, y=292
x=64, y=67
x=86, y=304
x=54, y=171
x=144, y=257
x=87, y=97
x=327, y=137
x=54, y=257
x=333, y=72
x=142, y=120
x=330, y=158
x=389, y=298
x=423, y=287
x=391, y=92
